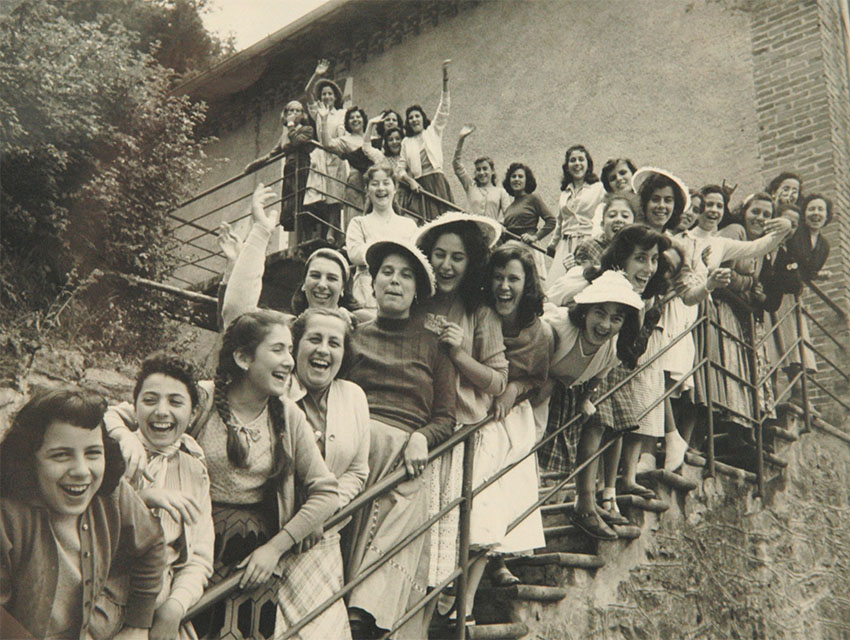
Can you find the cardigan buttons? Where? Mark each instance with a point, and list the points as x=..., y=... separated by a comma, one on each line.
x=331, y=437
x=87, y=554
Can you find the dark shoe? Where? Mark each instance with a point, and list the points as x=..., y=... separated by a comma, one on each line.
x=637, y=490
x=502, y=577
x=611, y=516
x=593, y=525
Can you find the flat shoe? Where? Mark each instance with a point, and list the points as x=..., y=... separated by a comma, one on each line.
x=637, y=490
x=612, y=517
x=594, y=526
x=502, y=577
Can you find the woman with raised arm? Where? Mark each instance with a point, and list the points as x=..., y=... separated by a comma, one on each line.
x=390, y=152
x=422, y=154
x=581, y=192
x=483, y=196
x=326, y=180
x=410, y=384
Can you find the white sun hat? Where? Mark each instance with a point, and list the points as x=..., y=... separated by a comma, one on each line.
x=641, y=175
x=380, y=249
x=611, y=286
x=491, y=229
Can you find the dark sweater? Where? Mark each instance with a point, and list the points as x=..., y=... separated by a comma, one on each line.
x=409, y=381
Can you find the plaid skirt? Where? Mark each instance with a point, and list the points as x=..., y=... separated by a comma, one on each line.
x=559, y=454
x=617, y=413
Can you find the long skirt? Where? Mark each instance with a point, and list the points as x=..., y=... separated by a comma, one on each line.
x=559, y=454
x=239, y=529
x=785, y=336
x=307, y=580
x=326, y=181
x=497, y=445
x=444, y=485
x=679, y=359
x=399, y=583
x=734, y=359
x=429, y=208
x=718, y=386
x=617, y=412
x=647, y=386
x=563, y=259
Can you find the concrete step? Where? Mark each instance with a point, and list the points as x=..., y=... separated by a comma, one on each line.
x=561, y=559
x=656, y=505
x=662, y=476
x=502, y=631
x=533, y=592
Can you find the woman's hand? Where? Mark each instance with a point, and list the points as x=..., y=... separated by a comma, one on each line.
x=229, y=243
x=181, y=507
x=377, y=119
x=415, y=187
x=778, y=225
x=529, y=238
x=706, y=255
x=259, y=566
x=322, y=67
x=310, y=541
x=587, y=408
x=466, y=129
x=262, y=196
x=452, y=337
x=166, y=620
x=323, y=110
x=503, y=404
x=720, y=277
x=415, y=455
x=133, y=452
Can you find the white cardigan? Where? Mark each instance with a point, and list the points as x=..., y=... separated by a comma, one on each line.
x=431, y=140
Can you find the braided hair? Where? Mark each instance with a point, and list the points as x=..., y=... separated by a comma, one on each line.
x=244, y=335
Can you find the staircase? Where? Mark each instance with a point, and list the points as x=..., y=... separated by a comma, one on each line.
x=664, y=576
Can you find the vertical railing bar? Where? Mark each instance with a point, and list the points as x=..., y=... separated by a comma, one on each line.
x=709, y=399
x=464, y=527
x=753, y=357
x=807, y=418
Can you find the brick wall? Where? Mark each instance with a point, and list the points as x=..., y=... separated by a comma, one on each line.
x=803, y=112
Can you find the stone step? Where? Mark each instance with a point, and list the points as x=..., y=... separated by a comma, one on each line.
x=782, y=434
x=533, y=592
x=625, y=532
x=662, y=476
x=561, y=559
x=720, y=467
x=502, y=631
x=655, y=505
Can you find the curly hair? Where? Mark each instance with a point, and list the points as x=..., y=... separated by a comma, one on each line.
x=609, y=166
x=530, y=180
x=531, y=304
x=426, y=121
x=171, y=366
x=627, y=334
x=773, y=185
x=348, y=113
x=472, y=284
x=26, y=436
x=658, y=181
x=589, y=176
x=299, y=327
x=379, y=128
x=385, y=147
x=337, y=93
x=244, y=335
x=809, y=198
x=716, y=188
x=623, y=246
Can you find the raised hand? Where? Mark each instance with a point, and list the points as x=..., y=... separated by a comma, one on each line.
x=466, y=129
x=720, y=277
x=229, y=243
x=322, y=67
x=262, y=196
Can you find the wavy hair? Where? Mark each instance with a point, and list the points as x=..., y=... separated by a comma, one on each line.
x=589, y=176
x=26, y=436
x=530, y=180
x=621, y=249
x=609, y=166
x=658, y=181
x=348, y=113
x=245, y=334
x=492, y=164
x=299, y=327
x=715, y=188
x=531, y=305
x=379, y=128
x=472, y=285
x=627, y=335
x=171, y=366
x=805, y=203
x=773, y=185
x=426, y=121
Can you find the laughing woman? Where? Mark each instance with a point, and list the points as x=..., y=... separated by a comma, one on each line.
x=422, y=154
x=270, y=487
x=410, y=384
x=581, y=193
x=381, y=222
x=68, y=523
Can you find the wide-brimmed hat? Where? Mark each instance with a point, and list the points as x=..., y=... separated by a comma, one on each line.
x=331, y=254
x=641, y=175
x=426, y=282
x=333, y=85
x=611, y=286
x=491, y=229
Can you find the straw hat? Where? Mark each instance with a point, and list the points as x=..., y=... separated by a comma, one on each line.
x=380, y=249
x=641, y=175
x=490, y=228
x=611, y=286
x=333, y=85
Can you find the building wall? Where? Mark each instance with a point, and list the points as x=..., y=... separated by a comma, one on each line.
x=664, y=83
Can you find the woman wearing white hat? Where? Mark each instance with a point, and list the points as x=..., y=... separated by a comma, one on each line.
x=410, y=384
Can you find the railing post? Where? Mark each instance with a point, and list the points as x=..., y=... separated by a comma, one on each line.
x=296, y=225
x=804, y=387
x=708, y=328
x=757, y=408
x=463, y=530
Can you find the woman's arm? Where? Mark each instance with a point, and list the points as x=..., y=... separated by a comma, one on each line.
x=352, y=481
x=356, y=242
x=441, y=117
x=321, y=69
x=775, y=232
x=457, y=160
x=487, y=370
x=548, y=219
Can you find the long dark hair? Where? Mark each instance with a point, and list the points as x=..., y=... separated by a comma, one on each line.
x=531, y=305
x=658, y=181
x=589, y=176
x=471, y=286
x=623, y=246
x=245, y=334
x=426, y=121
x=26, y=436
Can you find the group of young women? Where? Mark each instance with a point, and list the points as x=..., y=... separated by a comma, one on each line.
x=388, y=350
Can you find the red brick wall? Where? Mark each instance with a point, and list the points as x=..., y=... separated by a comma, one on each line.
x=803, y=113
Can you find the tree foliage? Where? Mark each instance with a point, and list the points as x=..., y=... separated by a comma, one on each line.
x=95, y=152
